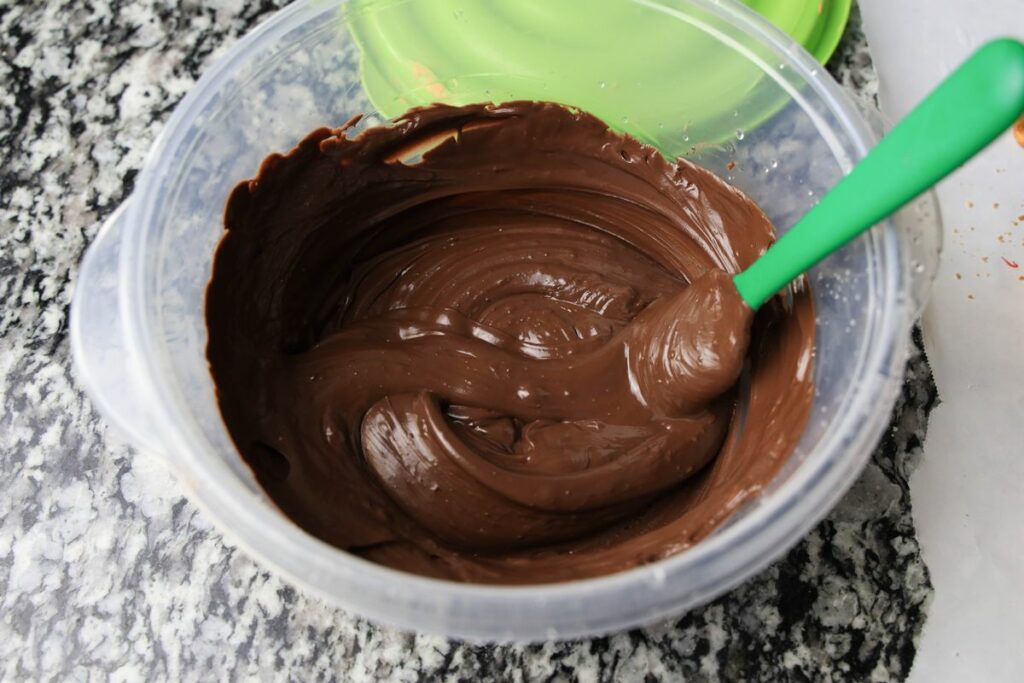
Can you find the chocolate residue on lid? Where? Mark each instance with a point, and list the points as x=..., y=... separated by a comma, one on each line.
x=498, y=343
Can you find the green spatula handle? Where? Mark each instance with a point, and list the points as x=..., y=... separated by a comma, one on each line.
x=968, y=110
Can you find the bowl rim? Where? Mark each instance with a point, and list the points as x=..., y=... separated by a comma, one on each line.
x=375, y=591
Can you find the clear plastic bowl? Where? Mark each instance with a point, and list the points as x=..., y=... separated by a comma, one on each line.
x=138, y=333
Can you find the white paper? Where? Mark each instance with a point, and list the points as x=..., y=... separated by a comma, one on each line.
x=968, y=493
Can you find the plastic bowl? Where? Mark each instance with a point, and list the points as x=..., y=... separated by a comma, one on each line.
x=138, y=333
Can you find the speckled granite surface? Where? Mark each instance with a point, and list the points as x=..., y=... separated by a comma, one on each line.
x=106, y=571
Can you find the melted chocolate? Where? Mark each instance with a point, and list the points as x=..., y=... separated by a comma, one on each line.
x=499, y=344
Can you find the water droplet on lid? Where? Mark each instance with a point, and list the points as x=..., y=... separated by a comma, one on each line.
x=774, y=163
x=602, y=84
x=740, y=134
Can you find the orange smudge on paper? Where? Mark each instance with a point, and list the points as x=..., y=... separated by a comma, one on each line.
x=970, y=205
x=1018, y=131
x=959, y=276
x=984, y=259
x=995, y=205
x=1012, y=264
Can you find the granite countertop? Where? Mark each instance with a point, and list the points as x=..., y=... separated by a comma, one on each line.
x=108, y=571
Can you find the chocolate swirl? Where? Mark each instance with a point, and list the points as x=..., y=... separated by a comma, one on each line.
x=498, y=343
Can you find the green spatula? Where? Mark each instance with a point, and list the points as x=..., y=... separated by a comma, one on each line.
x=968, y=110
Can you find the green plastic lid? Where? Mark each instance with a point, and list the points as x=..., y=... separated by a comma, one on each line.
x=672, y=75
x=818, y=26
